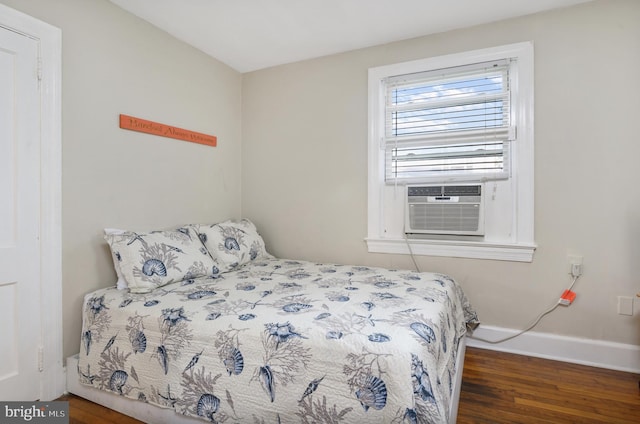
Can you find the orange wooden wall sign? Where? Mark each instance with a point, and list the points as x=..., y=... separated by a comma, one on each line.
x=142, y=125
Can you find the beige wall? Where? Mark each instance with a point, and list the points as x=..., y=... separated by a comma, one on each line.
x=113, y=63
x=304, y=155
x=304, y=165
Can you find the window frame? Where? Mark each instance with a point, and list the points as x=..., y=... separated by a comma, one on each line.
x=520, y=244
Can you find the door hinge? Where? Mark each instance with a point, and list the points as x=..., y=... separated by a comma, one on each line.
x=40, y=359
x=39, y=70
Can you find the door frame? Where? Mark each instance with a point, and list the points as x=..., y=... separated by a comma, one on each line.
x=52, y=382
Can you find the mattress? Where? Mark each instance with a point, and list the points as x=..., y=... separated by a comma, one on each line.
x=282, y=341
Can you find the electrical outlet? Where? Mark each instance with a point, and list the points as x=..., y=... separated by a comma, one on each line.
x=575, y=265
x=625, y=305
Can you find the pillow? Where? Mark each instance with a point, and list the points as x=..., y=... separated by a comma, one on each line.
x=232, y=243
x=121, y=284
x=155, y=259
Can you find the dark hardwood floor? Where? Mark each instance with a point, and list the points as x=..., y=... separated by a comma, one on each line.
x=505, y=388
x=501, y=388
x=82, y=411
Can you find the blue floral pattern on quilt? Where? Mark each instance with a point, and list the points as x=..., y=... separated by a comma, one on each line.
x=283, y=341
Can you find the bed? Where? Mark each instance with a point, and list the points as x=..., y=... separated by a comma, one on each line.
x=236, y=335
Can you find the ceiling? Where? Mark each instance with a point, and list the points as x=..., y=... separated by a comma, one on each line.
x=249, y=35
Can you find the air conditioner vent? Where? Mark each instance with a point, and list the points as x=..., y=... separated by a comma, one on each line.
x=468, y=190
x=448, y=210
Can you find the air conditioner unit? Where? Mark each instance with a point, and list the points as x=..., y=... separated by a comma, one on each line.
x=445, y=209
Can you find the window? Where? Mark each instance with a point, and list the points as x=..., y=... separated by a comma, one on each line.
x=447, y=124
x=464, y=118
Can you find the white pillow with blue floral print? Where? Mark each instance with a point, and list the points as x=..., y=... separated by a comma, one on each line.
x=121, y=284
x=232, y=243
x=154, y=259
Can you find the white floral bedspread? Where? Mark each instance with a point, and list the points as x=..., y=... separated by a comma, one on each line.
x=282, y=341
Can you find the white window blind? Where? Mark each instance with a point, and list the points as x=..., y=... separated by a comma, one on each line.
x=448, y=124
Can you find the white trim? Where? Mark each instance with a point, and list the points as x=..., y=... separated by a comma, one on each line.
x=451, y=248
x=49, y=38
x=595, y=353
x=519, y=244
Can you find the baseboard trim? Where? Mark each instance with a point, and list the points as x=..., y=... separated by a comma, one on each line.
x=596, y=353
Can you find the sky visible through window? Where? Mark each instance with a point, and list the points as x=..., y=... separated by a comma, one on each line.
x=437, y=111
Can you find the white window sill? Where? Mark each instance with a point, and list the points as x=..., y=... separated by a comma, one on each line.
x=517, y=252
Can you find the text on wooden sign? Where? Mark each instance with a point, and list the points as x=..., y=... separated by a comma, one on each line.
x=142, y=125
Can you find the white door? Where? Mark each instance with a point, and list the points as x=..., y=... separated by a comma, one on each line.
x=20, y=326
